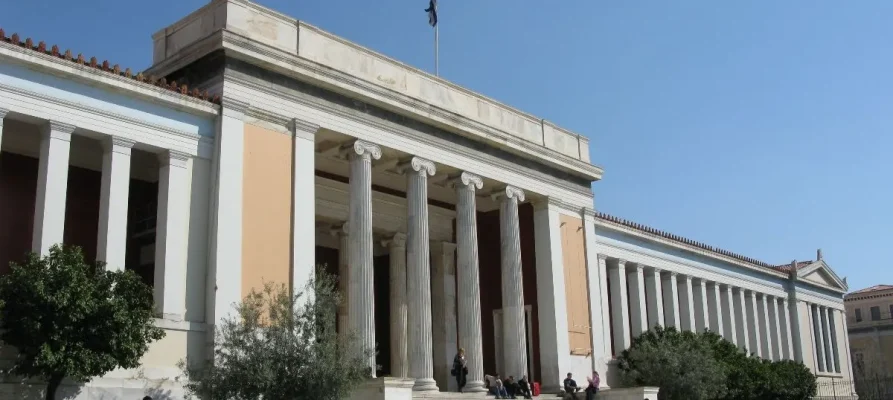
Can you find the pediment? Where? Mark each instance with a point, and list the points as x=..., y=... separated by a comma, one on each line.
x=820, y=273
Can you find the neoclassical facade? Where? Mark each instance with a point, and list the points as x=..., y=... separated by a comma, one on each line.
x=258, y=148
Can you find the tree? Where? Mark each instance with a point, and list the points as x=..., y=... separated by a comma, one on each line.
x=68, y=318
x=680, y=363
x=281, y=346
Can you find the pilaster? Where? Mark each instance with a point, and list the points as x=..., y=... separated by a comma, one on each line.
x=171, y=234
x=114, y=194
x=303, y=213
x=343, y=233
x=443, y=314
x=551, y=296
x=52, y=186
x=398, y=302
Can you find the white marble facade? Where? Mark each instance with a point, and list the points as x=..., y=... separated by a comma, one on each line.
x=459, y=148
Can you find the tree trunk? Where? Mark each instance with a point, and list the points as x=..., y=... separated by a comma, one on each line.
x=52, y=386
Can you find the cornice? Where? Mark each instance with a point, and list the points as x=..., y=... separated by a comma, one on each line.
x=59, y=130
x=407, y=133
x=98, y=111
x=237, y=43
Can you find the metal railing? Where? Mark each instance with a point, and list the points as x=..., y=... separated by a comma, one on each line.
x=878, y=388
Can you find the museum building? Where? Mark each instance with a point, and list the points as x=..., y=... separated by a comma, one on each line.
x=258, y=148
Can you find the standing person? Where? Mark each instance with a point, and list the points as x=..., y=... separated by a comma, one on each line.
x=594, y=382
x=460, y=368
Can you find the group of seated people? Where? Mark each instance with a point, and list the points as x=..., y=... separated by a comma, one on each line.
x=571, y=387
x=509, y=389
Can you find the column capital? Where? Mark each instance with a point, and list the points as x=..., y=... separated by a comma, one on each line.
x=116, y=142
x=602, y=257
x=621, y=262
x=174, y=158
x=419, y=165
x=362, y=148
x=672, y=274
x=510, y=192
x=58, y=130
x=302, y=129
x=397, y=240
x=638, y=267
x=231, y=107
x=687, y=278
x=469, y=180
x=3, y=113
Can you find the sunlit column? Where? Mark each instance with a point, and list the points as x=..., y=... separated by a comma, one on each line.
x=52, y=186
x=671, y=302
x=637, y=310
x=113, y=198
x=171, y=234
x=655, y=298
x=620, y=310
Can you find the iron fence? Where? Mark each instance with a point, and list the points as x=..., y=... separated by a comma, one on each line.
x=878, y=388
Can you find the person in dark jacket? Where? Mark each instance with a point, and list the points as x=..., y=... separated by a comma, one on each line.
x=524, y=388
x=570, y=385
x=460, y=368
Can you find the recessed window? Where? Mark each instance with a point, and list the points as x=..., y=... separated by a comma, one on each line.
x=858, y=315
x=875, y=313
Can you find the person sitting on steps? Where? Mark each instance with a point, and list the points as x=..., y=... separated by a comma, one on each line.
x=570, y=386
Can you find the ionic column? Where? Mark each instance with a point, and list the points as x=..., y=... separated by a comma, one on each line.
x=728, y=309
x=344, y=279
x=830, y=364
x=514, y=330
x=443, y=312
x=620, y=312
x=763, y=323
x=753, y=321
x=819, y=338
x=686, y=303
x=360, y=307
x=714, y=308
x=741, y=321
x=469, y=288
x=787, y=330
x=52, y=187
x=671, y=302
x=655, y=296
x=114, y=194
x=397, y=272
x=638, y=313
x=171, y=234
x=418, y=274
x=702, y=319
x=775, y=328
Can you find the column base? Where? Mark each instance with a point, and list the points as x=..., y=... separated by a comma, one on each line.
x=425, y=385
x=474, y=387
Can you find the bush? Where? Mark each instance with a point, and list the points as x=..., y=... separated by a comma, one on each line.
x=688, y=365
x=67, y=318
x=280, y=346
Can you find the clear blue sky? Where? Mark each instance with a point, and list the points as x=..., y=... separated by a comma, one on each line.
x=762, y=127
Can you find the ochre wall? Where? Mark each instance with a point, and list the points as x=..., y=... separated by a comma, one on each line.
x=575, y=285
x=266, y=209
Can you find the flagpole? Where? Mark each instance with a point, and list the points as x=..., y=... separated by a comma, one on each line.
x=436, y=51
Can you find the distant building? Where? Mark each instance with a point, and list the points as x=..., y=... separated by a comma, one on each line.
x=870, y=319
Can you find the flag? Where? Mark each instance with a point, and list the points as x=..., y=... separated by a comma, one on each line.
x=432, y=12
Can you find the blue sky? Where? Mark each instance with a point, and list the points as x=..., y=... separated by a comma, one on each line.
x=758, y=126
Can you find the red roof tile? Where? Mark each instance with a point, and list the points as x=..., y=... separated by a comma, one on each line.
x=787, y=267
x=875, y=288
x=93, y=63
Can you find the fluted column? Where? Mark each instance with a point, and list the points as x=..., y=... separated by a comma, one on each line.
x=469, y=289
x=714, y=308
x=343, y=279
x=763, y=323
x=638, y=313
x=443, y=313
x=418, y=274
x=655, y=298
x=52, y=187
x=775, y=328
x=826, y=335
x=619, y=305
x=111, y=240
x=360, y=304
x=686, y=303
x=727, y=302
x=753, y=321
x=671, y=302
x=397, y=272
x=819, y=338
x=741, y=321
x=787, y=330
x=514, y=330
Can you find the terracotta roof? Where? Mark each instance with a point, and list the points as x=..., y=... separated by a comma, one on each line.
x=680, y=239
x=105, y=67
x=787, y=267
x=875, y=288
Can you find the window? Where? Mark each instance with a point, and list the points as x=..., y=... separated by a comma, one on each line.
x=891, y=311
x=858, y=315
x=875, y=313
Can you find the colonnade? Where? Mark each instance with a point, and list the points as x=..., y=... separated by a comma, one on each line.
x=172, y=214
x=410, y=292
